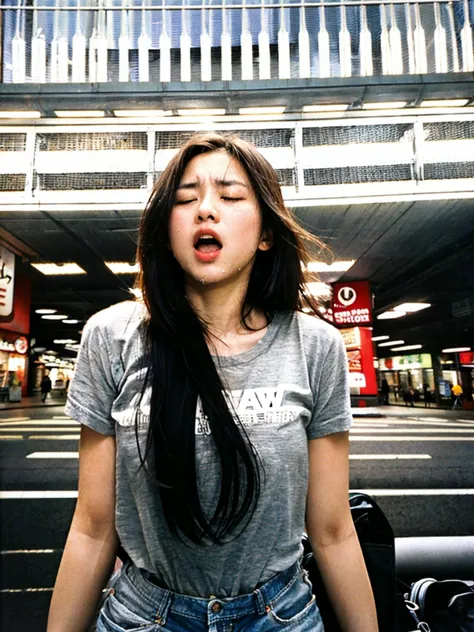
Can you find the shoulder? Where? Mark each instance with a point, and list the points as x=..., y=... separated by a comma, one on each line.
x=116, y=320
x=316, y=331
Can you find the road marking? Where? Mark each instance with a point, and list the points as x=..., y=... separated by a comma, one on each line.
x=411, y=439
x=55, y=437
x=415, y=492
x=27, y=495
x=408, y=422
x=421, y=430
x=388, y=457
x=30, y=551
x=53, y=455
x=24, y=590
x=14, y=419
x=61, y=417
x=10, y=437
x=39, y=422
x=42, y=429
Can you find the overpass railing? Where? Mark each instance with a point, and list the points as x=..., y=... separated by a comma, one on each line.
x=79, y=41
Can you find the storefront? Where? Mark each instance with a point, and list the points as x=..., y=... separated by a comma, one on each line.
x=13, y=366
x=405, y=372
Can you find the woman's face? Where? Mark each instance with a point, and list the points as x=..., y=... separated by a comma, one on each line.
x=215, y=224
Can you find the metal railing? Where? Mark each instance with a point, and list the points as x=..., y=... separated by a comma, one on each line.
x=196, y=40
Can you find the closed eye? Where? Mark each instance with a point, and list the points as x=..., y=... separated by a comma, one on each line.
x=231, y=199
x=185, y=201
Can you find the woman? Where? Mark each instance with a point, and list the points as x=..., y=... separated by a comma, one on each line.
x=215, y=421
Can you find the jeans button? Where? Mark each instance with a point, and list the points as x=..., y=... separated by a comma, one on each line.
x=216, y=607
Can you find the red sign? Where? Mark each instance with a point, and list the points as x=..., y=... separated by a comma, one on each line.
x=466, y=357
x=352, y=303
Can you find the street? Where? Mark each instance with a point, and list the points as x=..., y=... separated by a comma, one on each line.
x=418, y=464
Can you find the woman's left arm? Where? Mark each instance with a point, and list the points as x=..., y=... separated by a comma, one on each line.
x=333, y=537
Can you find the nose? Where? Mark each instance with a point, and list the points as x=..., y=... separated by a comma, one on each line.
x=207, y=211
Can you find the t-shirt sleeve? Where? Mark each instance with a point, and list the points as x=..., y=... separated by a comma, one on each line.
x=331, y=394
x=92, y=390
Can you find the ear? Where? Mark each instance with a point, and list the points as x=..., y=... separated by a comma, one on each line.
x=266, y=240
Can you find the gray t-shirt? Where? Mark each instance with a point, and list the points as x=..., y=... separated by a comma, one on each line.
x=290, y=387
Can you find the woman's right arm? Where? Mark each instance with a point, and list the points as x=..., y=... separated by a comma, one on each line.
x=92, y=543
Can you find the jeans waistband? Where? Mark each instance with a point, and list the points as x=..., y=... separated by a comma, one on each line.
x=155, y=602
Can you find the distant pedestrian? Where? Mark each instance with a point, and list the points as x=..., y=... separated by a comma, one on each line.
x=427, y=395
x=457, y=392
x=45, y=386
x=385, y=390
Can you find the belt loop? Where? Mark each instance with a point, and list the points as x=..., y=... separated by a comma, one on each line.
x=261, y=604
x=161, y=613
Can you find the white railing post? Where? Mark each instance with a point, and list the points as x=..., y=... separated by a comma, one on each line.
x=385, y=43
x=365, y=46
x=18, y=50
x=226, y=48
x=284, y=71
x=205, y=41
x=440, y=44
x=303, y=46
x=185, y=47
x=59, y=52
x=395, y=44
x=246, y=53
x=421, y=60
x=264, y=47
x=323, y=46
x=345, y=54
x=466, y=42
x=124, y=45
x=410, y=40
x=78, y=50
x=165, y=49
x=144, y=44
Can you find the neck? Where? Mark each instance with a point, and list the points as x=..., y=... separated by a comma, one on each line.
x=220, y=307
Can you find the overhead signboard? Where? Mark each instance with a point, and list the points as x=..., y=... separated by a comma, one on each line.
x=401, y=363
x=7, y=283
x=352, y=303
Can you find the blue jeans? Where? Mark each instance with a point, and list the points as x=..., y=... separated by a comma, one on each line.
x=284, y=603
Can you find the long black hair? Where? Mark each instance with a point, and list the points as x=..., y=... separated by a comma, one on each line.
x=180, y=367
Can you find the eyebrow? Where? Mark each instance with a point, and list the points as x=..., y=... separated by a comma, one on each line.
x=218, y=181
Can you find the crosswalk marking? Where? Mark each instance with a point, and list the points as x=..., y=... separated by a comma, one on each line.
x=53, y=455
x=411, y=439
x=387, y=457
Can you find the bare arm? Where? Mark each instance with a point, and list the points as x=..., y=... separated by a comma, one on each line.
x=333, y=537
x=91, y=545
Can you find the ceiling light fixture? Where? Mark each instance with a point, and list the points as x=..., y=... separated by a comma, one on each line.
x=202, y=112
x=390, y=344
x=263, y=110
x=58, y=268
x=411, y=307
x=444, y=103
x=54, y=317
x=336, y=266
x=407, y=348
x=79, y=113
x=377, y=338
x=142, y=113
x=389, y=315
x=70, y=321
x=65, y=341
x=456, y=350
x=384, y=105
x=23, y=114
x=337, y=107
x=46, y=311
x=122, y=267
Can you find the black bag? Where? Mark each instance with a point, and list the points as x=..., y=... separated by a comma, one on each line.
x=378, y=547
x=446, y=606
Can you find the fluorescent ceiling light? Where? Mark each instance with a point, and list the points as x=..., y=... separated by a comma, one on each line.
x=65, y=341
x=58, y=268
x=70, y=321
x=79, y=113
x=54, y=317
x=319, y=289
x=16, y=114
x=122, y=267
x=389, y=105
x=444, y=103
x=377, y=338
x=337, y=107
x=263, y=110
x=391, y=344
x=411, y=307
x=46, y=311
x=407, y=348
x=202, y=112
x=142, y=113
x=456, y=350
x=336, y=266
x=389, y=315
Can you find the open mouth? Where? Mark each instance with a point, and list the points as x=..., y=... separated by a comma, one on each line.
x=207, y=244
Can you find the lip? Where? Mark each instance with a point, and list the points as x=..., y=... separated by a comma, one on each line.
x=206, y=257
x=206, y=231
